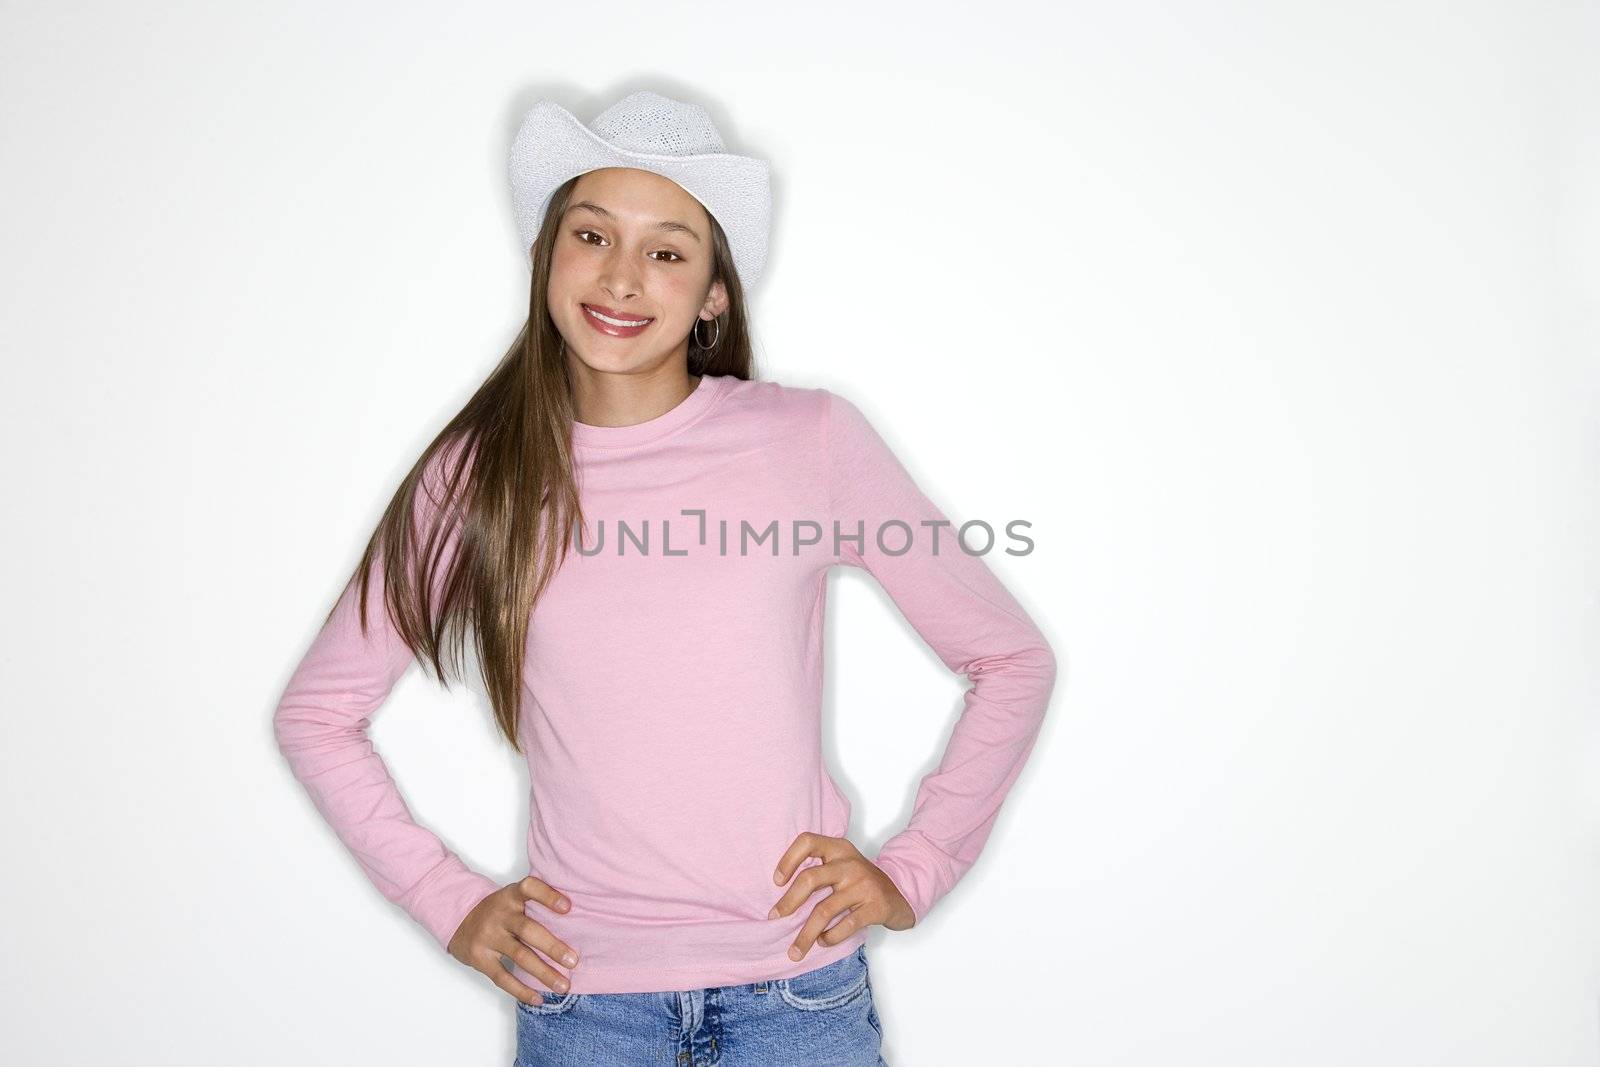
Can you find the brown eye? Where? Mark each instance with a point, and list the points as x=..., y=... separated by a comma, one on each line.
x=675, y=257
x=580, y=234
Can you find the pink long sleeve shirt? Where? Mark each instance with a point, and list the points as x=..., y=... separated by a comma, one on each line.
x=673, y=688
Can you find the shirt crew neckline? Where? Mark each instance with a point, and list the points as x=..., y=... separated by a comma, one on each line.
x=697, y=403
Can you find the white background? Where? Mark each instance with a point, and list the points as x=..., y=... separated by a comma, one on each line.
x=1277, y=321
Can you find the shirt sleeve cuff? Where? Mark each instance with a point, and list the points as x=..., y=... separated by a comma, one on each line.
x=445, y=896
x=917, y=869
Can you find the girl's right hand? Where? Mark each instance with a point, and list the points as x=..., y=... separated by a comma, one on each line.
x=498, y=926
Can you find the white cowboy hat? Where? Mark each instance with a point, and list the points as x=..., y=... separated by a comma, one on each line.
x=651, y=132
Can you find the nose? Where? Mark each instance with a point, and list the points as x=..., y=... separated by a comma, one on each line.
x=619, y=277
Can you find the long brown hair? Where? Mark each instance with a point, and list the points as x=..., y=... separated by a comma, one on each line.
x=495, y=516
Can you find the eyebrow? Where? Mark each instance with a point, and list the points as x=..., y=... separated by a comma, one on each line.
x=670, y=225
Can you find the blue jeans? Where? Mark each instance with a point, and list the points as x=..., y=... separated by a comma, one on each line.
x=821, y=1018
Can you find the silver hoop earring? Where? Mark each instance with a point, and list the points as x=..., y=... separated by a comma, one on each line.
x=715, y=338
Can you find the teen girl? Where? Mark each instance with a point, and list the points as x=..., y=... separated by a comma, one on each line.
x=638, y=535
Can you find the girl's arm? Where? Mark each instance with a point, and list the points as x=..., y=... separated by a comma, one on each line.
x=975, y=627
x=321, y=725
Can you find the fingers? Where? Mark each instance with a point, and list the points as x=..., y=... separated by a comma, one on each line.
x=505, y=980
x=534, y=964
x=807, y=846
x=538, y=889
x=485, y=959
x=805, y=883
x=524, y=937
x=538, y=936
x=851, y=902
x=504, y=930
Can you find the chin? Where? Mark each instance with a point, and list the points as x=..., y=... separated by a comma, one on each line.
x=613, y=362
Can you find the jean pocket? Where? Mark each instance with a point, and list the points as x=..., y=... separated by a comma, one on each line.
x=554, y=1004
x=829, y=986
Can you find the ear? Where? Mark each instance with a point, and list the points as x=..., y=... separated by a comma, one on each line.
x=716, y=300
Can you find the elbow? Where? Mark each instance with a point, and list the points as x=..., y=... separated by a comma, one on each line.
x=315, y=740
x=1036, y=661
x=1024, y=676
x=1042, y=660
x=302, y=727
x=1049, y=656
x=289, y=727
x=1036, y=669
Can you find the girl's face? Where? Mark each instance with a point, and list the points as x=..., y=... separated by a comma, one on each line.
x=632, y=245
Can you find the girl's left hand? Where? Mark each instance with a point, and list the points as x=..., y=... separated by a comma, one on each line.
x=859, y=887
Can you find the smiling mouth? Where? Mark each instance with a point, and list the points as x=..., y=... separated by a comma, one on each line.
x=612, y=320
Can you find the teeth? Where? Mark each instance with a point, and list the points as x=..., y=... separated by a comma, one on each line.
x=612, y=321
